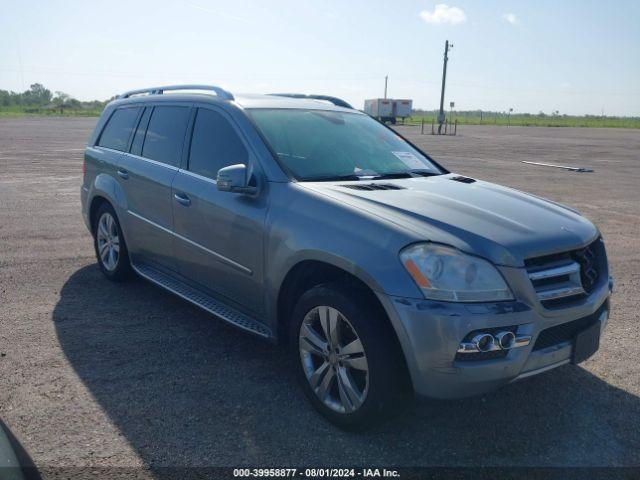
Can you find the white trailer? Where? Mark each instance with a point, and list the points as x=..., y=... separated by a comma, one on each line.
x=402, y=108
x=380, y=108
x=388, y=109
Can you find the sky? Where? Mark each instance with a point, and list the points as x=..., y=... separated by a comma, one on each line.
x=574, y=56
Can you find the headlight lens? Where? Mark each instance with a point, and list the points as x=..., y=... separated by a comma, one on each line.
x=444, y=273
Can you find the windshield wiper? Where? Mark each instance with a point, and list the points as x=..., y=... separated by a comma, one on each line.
x=392, y=175
x=333, y=178
x=406, y=174
x=372, y=176
x=424, y=173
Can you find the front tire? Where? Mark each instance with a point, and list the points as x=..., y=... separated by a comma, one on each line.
x=110, y=247
x=347, y=358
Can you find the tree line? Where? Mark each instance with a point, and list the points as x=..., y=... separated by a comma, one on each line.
x=40, y=99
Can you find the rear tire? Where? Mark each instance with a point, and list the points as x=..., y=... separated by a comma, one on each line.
x=347, y=358
x=110, y=247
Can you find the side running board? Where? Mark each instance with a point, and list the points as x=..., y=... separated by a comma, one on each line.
x=202, y=300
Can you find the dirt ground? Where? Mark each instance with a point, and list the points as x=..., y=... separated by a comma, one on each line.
x=96, y=374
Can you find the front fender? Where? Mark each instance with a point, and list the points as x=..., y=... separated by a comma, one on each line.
x=331, y=259
x=277, y=276
x=302, y=225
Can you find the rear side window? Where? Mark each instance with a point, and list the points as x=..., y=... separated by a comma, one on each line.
x=118, y=130
x=165, y=134
x=215, y=144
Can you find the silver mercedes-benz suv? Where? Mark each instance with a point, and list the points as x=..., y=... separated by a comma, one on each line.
x=306, y=222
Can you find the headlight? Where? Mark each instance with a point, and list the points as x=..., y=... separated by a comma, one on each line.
x=444, y=273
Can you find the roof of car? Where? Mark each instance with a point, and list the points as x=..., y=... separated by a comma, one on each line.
x=218, y=96
x=276, y=101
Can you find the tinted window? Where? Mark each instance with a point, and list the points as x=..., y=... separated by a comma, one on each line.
x=165, y=134
x=119, y=128
x=214, y=145
x=138, y=138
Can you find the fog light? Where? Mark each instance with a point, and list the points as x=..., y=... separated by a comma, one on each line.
x=506, y=340
x=484, y=342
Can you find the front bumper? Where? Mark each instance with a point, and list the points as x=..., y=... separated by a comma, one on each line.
x=430, y=334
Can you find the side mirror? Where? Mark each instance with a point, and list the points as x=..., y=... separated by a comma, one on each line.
x=234, y=179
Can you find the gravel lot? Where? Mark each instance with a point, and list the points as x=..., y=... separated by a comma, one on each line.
x=99, y=374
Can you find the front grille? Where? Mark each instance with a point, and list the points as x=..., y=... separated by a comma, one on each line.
x=566, y=332
x=564, y=278
x=589, y=273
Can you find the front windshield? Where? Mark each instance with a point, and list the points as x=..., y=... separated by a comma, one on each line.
x=330, y=145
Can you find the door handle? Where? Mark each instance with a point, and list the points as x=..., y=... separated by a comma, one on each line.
x=182, y=199
x=123, y=173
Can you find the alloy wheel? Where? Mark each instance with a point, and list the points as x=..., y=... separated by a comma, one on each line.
x=108, y=241
x=333, y=359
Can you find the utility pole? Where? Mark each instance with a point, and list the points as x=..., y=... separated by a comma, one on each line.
x=386, y=78
x=444, y=80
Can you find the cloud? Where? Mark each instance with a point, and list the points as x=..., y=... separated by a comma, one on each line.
x=511, y=18
x=443, y=14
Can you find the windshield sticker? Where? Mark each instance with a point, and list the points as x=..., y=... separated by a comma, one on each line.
x=409, y=159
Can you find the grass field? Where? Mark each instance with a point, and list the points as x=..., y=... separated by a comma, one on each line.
x=531, y=120
x=463, y=118
x=18, y=111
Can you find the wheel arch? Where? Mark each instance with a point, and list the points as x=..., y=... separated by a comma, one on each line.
x=96, y=202
x=106, y=189
x=308, y=273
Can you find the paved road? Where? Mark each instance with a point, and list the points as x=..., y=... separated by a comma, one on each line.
x=98, y=374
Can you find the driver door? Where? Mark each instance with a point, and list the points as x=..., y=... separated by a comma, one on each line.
x=220, y=235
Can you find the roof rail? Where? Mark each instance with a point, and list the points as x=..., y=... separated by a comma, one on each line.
x=338, y=102
x=220, y=92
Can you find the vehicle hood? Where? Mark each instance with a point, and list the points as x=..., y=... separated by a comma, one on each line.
x=498, y=223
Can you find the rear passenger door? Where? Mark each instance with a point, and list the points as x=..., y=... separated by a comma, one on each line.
x=146, y=173
x=219, y=241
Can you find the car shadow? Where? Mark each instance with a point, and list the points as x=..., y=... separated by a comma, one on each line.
x=187, y=389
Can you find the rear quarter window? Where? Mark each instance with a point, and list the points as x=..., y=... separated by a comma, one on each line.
x=119, y=128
